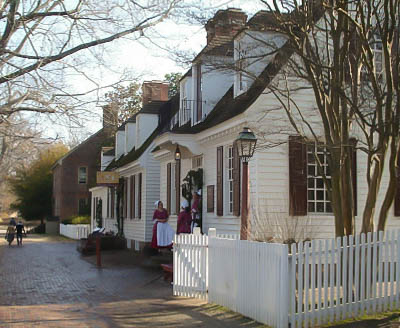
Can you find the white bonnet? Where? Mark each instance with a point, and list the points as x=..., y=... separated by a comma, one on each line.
x=156, y=203
x=184, y=203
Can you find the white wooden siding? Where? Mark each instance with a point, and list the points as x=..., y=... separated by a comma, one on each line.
x=151, y=194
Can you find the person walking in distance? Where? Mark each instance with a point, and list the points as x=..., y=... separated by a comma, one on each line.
x=20, y=228
x=10, y=234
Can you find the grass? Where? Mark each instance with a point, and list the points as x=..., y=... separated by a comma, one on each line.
x=216, y=310
x=383, y=316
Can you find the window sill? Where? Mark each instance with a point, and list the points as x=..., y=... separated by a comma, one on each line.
x=314, y=214
x=227, y=216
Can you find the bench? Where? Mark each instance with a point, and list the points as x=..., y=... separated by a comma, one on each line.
x=168, y=272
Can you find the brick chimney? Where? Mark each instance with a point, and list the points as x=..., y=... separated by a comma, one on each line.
x=226, y=22
x=154, y=90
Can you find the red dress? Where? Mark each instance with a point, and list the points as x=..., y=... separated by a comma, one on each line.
x=184, y=222
x=158, y=215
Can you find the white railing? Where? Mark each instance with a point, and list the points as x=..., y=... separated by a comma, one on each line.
x=74, y=231
x=316, y=283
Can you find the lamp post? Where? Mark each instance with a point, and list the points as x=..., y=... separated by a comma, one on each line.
x=246, y=144
x=177, y=154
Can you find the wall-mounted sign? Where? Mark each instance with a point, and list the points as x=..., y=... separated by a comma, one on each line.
x=107, y=178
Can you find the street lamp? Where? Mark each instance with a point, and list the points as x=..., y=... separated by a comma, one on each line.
x=177, y=153
x=245, y=145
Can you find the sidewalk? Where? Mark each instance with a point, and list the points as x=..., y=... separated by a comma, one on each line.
x=47, y=283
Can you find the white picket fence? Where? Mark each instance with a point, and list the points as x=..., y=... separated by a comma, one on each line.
x=332, y=280
x=309, y=284
x=74, y=231
x=190, y=265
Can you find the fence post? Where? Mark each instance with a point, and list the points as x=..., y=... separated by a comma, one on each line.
x=284, y=298
x=212, y=232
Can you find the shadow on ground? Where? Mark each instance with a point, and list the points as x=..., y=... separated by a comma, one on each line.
x=47, y=283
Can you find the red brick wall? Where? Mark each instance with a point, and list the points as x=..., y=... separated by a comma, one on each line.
x=66, y=189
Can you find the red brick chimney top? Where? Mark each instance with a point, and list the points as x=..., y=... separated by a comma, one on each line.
x=154, y=90
x=226, y=22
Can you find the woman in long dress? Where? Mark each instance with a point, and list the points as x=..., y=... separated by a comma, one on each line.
x=10, y=234
x=184, y=219
x=163, y=234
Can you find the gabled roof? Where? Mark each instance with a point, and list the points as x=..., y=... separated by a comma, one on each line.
x=59, y=161
x=229, y=107
x=165, y=109
x=134, y=154
x=220, y=45
x=187, y=74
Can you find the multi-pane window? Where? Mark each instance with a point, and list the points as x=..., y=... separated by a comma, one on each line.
x=230, y=179
x=318, y=201
x=376, y=46
x=82, y=174
x=197, y=162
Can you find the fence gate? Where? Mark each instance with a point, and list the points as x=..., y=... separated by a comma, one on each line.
x=190, y=265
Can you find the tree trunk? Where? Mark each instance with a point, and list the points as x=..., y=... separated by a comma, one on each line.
x=347, y=194
x=391, y=189
x=370, y=204
x=336, y=201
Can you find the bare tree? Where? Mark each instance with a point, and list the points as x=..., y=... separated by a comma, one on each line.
x=331, y=49
x=43, y=41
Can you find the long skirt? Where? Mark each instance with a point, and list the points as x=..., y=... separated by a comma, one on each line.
x=10, y=237
x=162, y=238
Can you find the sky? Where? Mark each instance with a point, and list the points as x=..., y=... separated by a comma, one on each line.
x=147, y=59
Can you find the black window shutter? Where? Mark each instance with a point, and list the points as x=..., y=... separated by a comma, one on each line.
x=140, y=196
x=169, y=187
x=210, y=199
x=177, y=186
x=220, y=180
x=297, y=176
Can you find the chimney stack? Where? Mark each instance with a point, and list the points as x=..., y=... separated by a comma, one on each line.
x=154, y=90
x=226, y=22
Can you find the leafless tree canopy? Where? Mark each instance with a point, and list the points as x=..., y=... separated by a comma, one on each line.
x=346, y=52
x=41, y=39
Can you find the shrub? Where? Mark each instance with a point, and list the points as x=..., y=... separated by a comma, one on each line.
x=77, y=220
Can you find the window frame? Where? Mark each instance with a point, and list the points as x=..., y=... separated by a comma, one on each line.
x=86, y=174
x=317, y=191
x=197, y=162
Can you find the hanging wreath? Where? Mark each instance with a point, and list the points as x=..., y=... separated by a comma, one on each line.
x=192, y=182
